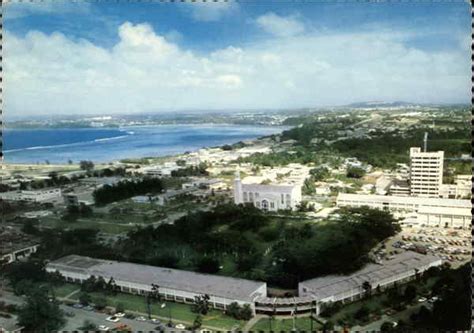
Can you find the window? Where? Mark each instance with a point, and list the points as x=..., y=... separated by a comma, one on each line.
x=272, y=204
x=245, y=197
x=250, y=196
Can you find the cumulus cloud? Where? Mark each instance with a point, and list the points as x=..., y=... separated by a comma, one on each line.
x=280, y=25
x=209, y=11
x=144, y=71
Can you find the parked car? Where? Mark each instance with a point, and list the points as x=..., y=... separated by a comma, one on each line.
x=180, y=327
x=104, y=328
x=78, y=306
x=112, y=319
x=155, y=320
x=119, y=314
x=422, y=299
x=141, y=318
x=89, y=308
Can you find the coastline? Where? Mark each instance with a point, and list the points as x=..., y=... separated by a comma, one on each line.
x=147, y=141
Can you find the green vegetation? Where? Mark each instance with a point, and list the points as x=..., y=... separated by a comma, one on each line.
x=127, y=189
x=251, y=244
x=38, y=314
x=199, y=170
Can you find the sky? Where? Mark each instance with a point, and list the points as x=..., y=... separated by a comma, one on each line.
x=80, y=57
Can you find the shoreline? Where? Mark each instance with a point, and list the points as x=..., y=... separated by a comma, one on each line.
x=26, y=164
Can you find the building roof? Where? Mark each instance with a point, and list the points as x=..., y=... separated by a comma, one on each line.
x=226, y=287
x=410, y=200
x=331, y=285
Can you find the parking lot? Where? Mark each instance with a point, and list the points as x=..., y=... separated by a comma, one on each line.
x=451, y=245
x=80, y=315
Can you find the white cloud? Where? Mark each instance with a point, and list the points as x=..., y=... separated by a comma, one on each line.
x=280, y=25
x=209, y=11
x=145, y=71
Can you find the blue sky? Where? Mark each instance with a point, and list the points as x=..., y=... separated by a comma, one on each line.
x=253, y=55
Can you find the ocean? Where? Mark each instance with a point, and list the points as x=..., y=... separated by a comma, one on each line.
x=101, y=145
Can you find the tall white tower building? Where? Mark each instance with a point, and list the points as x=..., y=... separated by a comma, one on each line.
x=426, y=172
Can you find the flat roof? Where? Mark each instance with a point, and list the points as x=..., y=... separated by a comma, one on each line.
x=413, y=200
x=330, y=285
x=220, y=286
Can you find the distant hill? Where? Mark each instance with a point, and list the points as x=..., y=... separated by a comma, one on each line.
x=381, y=104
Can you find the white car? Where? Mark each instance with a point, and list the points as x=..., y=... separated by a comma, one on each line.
x=155, y=320
x=104, y=328
x=421, y=300
x=113, y=319
x=119, y=314
x=141, y=318
x=180, y=327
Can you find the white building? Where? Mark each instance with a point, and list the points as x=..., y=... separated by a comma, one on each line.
x=426, y=172
x=32, y=196
x=174, y=285
x=429, y=211
x=346, y=288
x=267, y=197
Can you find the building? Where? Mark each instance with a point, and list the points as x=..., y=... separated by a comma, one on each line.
x=15, y=246
x=347, y=288
x=267, y=197
x=174, y=285
x=460, y=189
x=399, y=187
x=45, y=195
x=315, y=294
x=426, y=172
x=429, y=211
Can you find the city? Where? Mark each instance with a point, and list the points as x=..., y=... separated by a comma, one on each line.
x=236, y=166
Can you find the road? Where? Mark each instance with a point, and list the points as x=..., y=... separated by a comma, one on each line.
x=375, y=326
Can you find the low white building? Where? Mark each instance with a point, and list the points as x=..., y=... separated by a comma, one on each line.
x=429, y=211
x=174, y=285
x=32, y=196
x=267, y=197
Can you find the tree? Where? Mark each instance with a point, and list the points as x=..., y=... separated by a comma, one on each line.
x=386, y=326
x=119, y=307
x=410, y=293
x=85, y=298
x=233, y=310
x=201, y=304
x=38, y=314
x=197, y=322
x=367, y=288
x=86, y=165
x=208, y=265
x=100, y=302
x=354, y=172
x=246, y=313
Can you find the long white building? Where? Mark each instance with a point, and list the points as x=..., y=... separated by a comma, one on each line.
x=175, y=285
x=430, y=211
x=32, y=196
x=426, y=172
x=267, y=197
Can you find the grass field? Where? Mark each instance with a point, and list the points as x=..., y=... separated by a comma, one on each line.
x=178, y=311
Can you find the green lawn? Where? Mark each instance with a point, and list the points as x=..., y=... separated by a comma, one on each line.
x=65, y=289
x=285, y=325
x=179, y=312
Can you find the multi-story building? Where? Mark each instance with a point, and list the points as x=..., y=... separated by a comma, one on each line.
x=426, y=172
x=267, y=197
